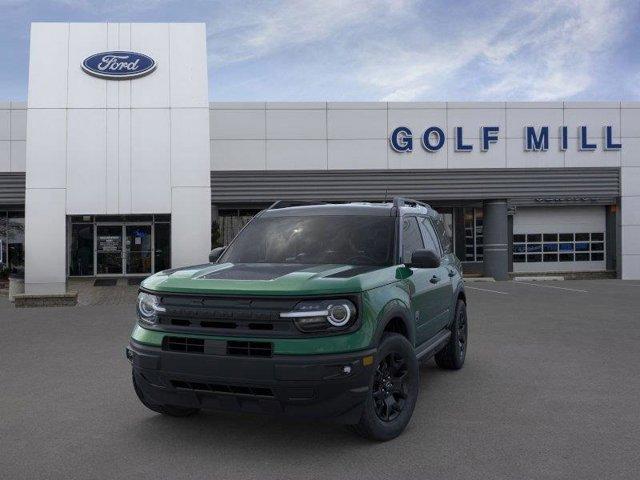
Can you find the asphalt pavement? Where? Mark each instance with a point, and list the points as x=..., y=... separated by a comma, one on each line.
x=550, y=390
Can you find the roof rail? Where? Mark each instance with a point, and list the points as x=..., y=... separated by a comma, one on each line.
x=292, y=203
x=402, y=201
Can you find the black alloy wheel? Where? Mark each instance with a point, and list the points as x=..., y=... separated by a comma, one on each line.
x=395, y=382
x=452, y=356
x=461, y=325
x=390, y=386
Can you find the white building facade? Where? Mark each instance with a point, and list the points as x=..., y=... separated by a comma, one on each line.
x=126, y=176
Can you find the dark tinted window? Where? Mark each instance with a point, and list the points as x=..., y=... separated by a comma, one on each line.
x=314, y=240
x=429, y=236
x=443, y=234
x=411, y=238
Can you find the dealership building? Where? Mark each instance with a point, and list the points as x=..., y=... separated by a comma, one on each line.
x=118, y=165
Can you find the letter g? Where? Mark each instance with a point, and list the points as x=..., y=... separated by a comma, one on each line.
x=401, y=139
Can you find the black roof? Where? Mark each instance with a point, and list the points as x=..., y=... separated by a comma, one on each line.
x=286, y=209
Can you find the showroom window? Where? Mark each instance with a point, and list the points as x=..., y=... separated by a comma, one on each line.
x=11, y=242
x=473, y=239
x=228, y=224
x=119, y=244
x=558, y=247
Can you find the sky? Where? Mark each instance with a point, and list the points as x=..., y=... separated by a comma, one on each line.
x=377, y=50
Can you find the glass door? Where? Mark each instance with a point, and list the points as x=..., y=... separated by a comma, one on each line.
x=138, y=249
x=109, y=250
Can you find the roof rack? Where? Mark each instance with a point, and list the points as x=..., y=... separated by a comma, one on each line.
x=402, y=201
x=292, y=203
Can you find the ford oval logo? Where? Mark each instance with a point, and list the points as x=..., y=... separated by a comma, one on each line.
x=118, y=65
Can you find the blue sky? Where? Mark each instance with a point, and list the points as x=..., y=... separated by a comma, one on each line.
x=362, y=50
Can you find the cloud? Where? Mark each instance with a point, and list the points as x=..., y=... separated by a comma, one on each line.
x=389, y=49
x=408, y=50
x=263, y=28
x=547, y=50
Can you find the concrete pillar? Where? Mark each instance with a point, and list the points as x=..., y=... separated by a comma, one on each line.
x=611, y=238
x=630, y=221
x=45, y=241
x=495, y=233
x=190, y=226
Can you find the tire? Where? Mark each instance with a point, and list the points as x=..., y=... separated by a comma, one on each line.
x=393, y=390
x=170, y=410
x=452, y=356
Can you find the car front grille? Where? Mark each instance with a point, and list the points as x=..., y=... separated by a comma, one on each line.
x=172, y=343
x=255, y=391
x=238, y=316
x=183, y=344
x=250, y=349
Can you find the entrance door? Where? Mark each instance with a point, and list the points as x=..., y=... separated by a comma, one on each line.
x=138, y=249
x=109, y=250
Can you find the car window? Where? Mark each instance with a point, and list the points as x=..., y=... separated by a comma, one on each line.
x=430, y=240
x=315, y=240
x=443, y=234
x=411, y=238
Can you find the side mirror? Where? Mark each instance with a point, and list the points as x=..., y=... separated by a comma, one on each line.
x=424, y=259
x=215, y=254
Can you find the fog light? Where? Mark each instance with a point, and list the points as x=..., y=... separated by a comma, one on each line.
x=346, y=369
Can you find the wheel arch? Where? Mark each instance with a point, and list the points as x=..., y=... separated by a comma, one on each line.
x=461, y=295
x=396, y=318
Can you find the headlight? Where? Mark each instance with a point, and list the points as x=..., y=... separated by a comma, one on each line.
x=148, y=308
x=322, y=315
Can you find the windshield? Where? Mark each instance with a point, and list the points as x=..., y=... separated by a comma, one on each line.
x=314, y=240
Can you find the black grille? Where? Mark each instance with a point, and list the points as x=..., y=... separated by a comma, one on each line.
x=233, y=316
x=183, y=344
x=224, y=388
x=249, y=349
x=228, y=315
x=182, y=322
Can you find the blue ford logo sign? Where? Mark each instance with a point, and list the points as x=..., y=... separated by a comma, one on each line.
x=118, y=65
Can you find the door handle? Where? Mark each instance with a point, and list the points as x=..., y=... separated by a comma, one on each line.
x=434, y=279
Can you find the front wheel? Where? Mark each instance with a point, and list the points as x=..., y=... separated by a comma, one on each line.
x=394, y=390
x=170, y=410
x=452, y=356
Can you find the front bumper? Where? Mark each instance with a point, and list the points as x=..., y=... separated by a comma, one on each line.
x=304, y=386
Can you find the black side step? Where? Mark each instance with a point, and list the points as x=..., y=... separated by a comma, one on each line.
x=431, y=347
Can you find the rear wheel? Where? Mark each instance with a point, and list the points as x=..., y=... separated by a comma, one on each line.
x=393, y=392
x=170, y=410
x=452, y=356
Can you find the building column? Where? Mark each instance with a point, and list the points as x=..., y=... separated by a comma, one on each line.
x=190, y=226
x=495, y=239
x=629, y=266
x=45, y=241
x=611, y=222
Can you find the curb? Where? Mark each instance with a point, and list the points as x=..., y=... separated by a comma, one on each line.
x=538, y=278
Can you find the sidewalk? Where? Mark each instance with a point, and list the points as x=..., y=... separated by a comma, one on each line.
x=120, y=294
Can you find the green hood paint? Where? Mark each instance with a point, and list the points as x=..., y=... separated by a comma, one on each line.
x=306, y=281
x=312, y=280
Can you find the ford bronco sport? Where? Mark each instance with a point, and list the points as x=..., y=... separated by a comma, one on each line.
x=314, y=311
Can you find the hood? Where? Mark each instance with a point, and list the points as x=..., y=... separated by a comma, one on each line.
x=270, y=279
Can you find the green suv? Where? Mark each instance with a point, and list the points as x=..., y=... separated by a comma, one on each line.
x=313, y=311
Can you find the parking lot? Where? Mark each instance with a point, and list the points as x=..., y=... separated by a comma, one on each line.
x=551, y=390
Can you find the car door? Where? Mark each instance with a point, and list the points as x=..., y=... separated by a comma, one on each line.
x=449, y=260
x=439, y=307
x=421, y=289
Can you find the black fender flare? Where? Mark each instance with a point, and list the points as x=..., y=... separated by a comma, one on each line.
x=460, y=293
x=394, y=309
